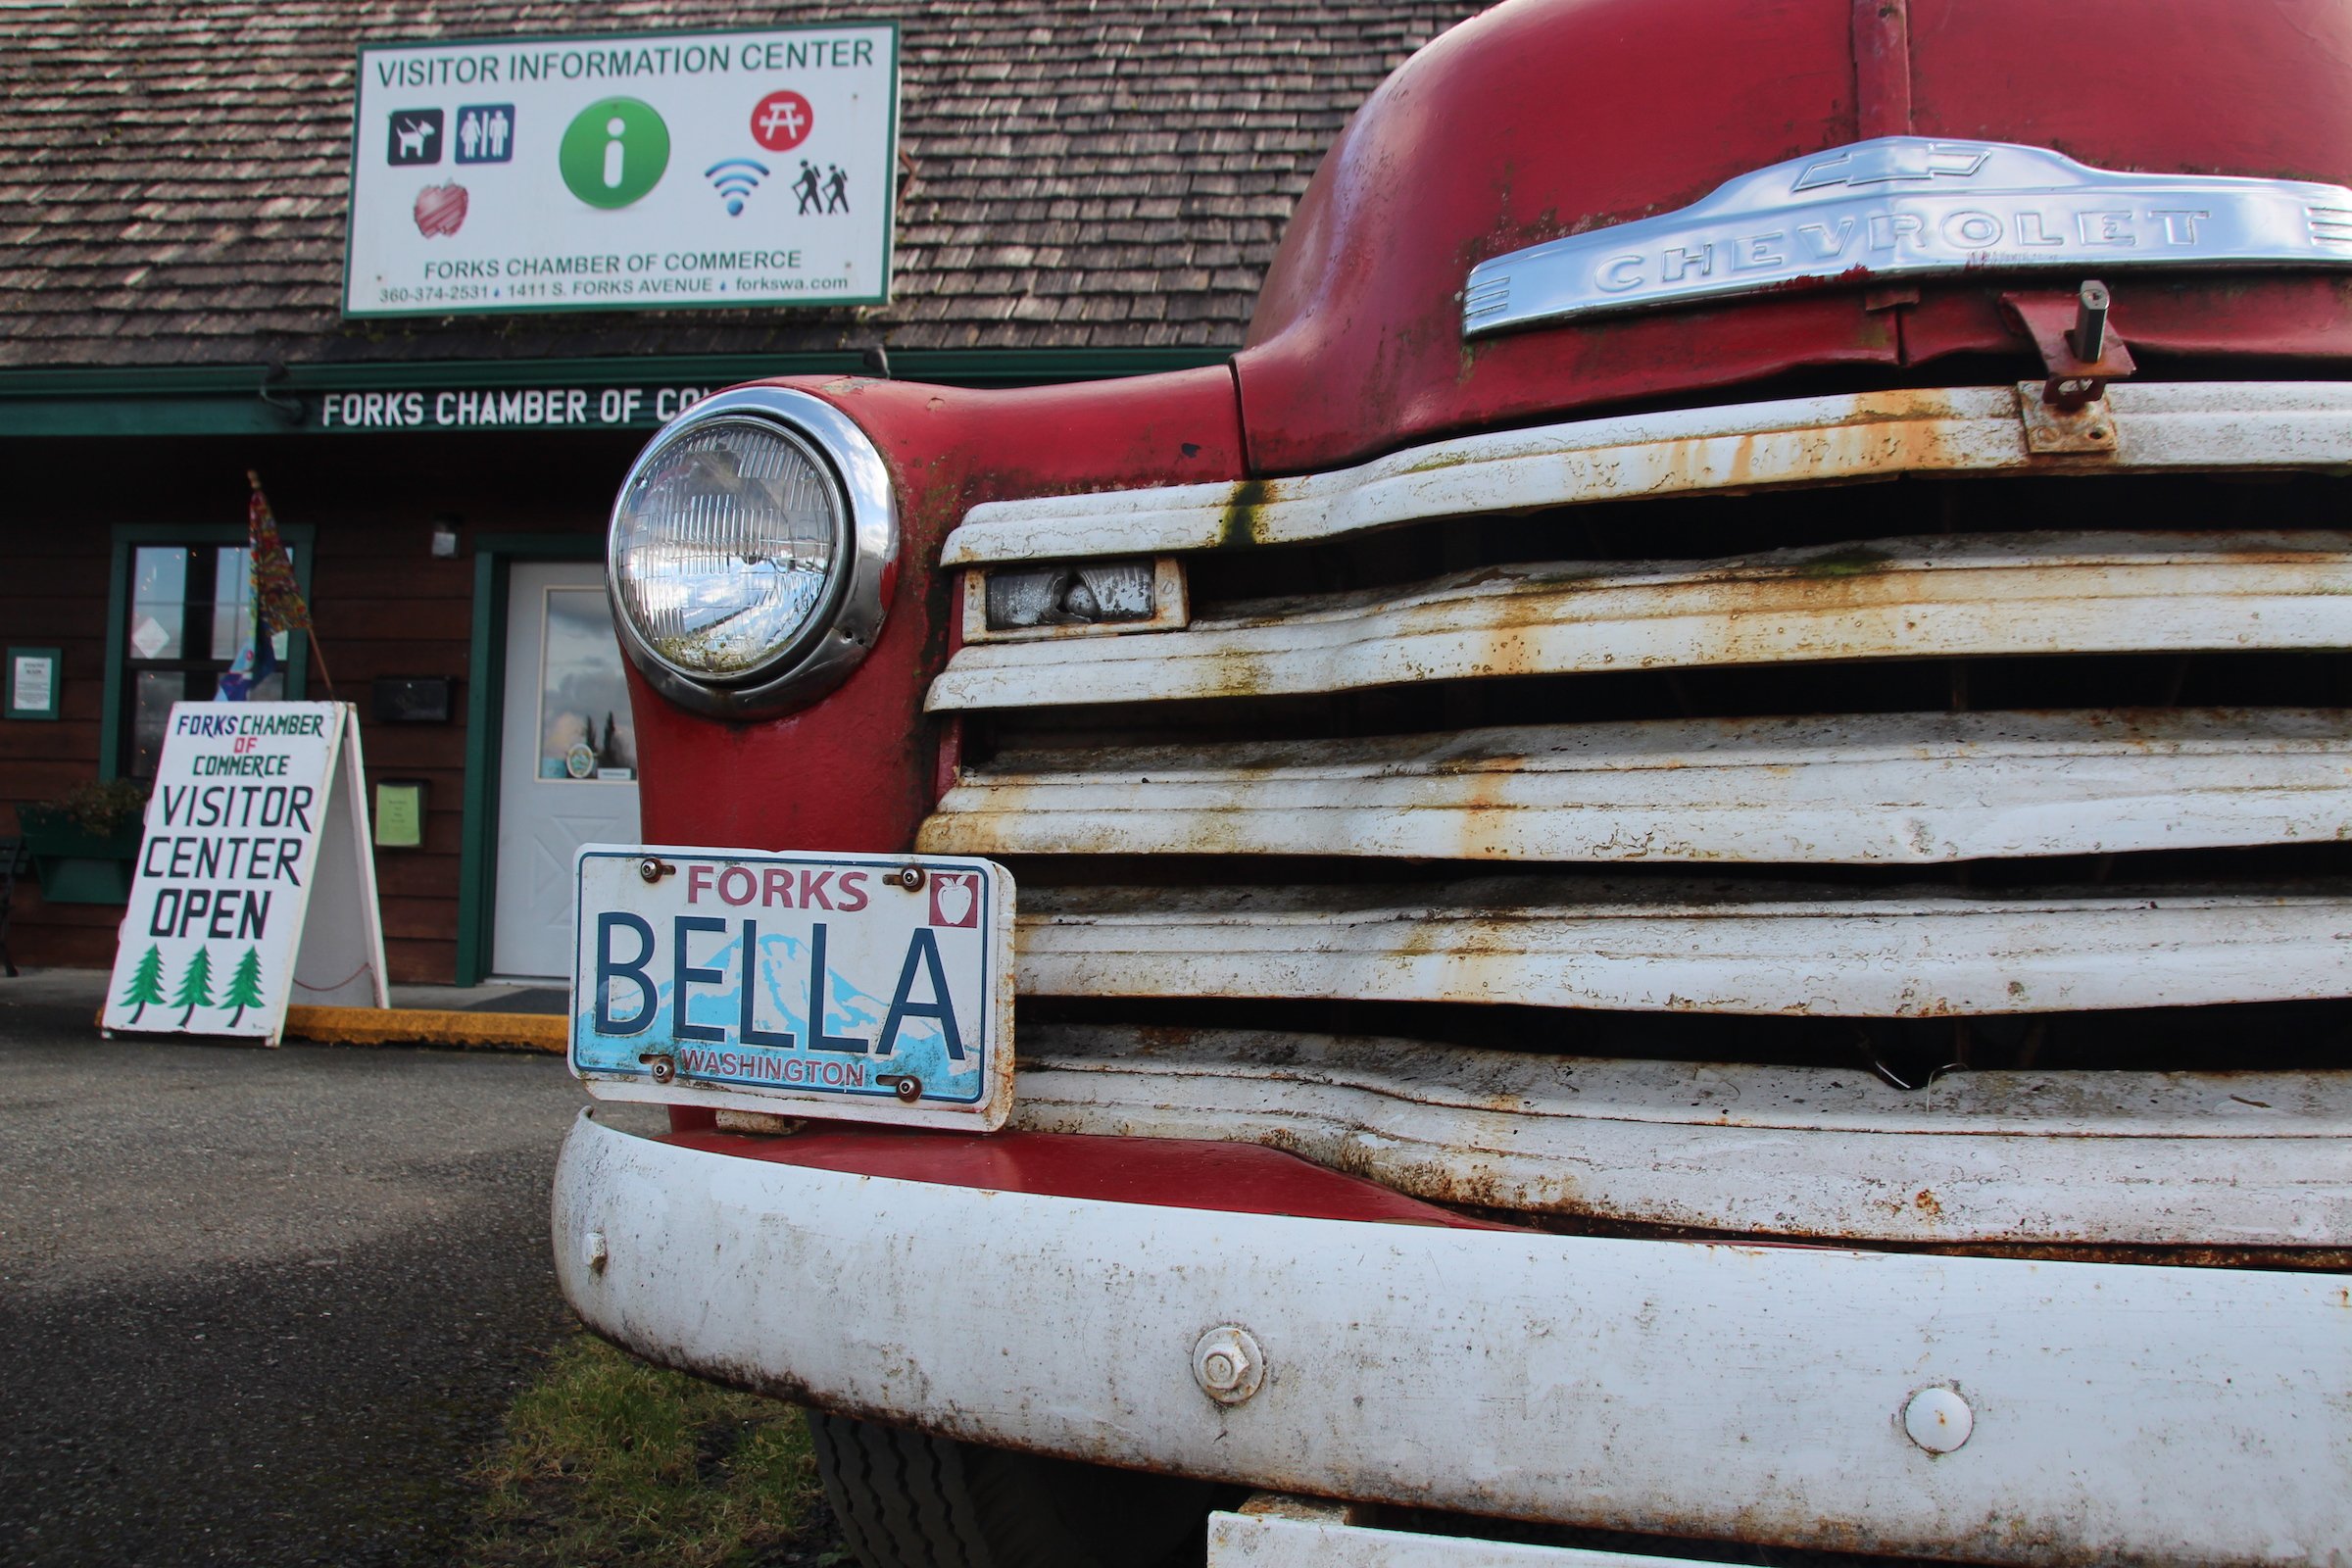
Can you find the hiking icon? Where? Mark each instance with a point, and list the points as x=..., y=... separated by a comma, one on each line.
x=829, y=192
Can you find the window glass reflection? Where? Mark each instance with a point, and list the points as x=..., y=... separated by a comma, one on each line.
x=585, y=732
x=159, y=602
x=152, y=697
x=190, y=614
x=232, y=604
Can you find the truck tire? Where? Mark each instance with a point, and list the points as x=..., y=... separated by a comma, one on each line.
x=907, y=1499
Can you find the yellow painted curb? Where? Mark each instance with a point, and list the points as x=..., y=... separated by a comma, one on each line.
x=428, y=1026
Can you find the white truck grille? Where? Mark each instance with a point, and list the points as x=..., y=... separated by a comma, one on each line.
x=1878, y=781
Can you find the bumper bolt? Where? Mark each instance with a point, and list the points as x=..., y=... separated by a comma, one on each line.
x=1228, y=1364
x=593, y=1251
x=1938, y=1420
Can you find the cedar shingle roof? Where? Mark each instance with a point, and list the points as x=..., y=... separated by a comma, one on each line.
x=1086, y=173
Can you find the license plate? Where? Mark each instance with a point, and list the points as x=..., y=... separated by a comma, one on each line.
x=868, y=987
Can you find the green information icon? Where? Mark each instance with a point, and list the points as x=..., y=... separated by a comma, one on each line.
x=613, y=152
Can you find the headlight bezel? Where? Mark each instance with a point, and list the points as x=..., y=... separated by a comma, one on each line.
x=838, y=637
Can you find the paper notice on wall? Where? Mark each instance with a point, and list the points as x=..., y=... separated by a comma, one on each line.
x=254, y=888
x=33, y=683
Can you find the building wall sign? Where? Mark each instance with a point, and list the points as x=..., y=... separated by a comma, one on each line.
x=534, y=408
x=648, y=171
x=1909, y=206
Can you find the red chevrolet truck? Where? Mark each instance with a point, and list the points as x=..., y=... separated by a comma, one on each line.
x=1666, y=882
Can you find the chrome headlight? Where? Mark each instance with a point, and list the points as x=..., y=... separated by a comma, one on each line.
x=748, y=552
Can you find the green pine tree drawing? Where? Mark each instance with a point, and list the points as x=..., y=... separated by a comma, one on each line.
x=195, y=985
x=146, y=983
x=244, y=986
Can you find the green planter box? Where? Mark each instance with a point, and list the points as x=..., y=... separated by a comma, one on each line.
x=76, y=865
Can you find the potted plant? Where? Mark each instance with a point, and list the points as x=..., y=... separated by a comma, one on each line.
x=85, y=843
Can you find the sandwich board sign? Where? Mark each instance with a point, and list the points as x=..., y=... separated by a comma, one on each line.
x=254, y=888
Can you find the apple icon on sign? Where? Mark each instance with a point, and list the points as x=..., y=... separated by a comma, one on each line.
x=440, y=209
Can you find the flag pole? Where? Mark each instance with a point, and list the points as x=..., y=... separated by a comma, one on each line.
x=320, y=654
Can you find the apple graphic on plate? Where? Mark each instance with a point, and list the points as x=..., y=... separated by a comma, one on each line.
x=951, y=901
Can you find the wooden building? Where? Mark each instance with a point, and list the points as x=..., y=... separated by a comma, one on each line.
x=1085, y=188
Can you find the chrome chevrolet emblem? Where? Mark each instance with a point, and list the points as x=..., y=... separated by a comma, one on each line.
x=1893, y=158
x=1908, y=207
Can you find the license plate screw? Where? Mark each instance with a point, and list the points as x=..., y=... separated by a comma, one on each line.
x=654, y=870
x=663, y=1069
x=905, y=1085
x=909, y=877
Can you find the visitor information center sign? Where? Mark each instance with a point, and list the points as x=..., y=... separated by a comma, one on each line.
x=254, y=887
x=647, y=171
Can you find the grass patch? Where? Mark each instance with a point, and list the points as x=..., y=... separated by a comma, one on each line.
x=607, y=1461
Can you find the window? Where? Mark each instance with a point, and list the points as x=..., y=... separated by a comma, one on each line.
x=581, y=676
x=187, y=608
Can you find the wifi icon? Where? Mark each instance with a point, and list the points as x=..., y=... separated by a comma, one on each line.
x=735, y=178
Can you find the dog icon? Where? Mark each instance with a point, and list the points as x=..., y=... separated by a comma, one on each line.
x=415, y=137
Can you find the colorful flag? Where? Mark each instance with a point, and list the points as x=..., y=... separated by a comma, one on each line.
x=276, y=600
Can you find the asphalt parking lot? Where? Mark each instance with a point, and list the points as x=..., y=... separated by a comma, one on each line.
x=259, y=1306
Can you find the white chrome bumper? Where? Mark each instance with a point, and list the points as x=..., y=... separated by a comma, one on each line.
x=2119, y=1414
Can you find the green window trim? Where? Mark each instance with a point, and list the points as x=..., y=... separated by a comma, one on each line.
x=485, y=719
x=128, y=536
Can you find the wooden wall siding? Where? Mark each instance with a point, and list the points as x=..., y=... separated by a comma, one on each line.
x=384, y=607
x=53, y=593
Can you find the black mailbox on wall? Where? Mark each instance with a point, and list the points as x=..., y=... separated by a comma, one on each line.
x=413, y=699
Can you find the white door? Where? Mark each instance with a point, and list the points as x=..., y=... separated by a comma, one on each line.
x=567, y=759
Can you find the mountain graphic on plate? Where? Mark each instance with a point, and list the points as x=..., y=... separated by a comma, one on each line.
x=440, y=209
x=951, y=899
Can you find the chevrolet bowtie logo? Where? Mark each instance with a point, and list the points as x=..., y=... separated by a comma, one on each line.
x=1876, y=164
